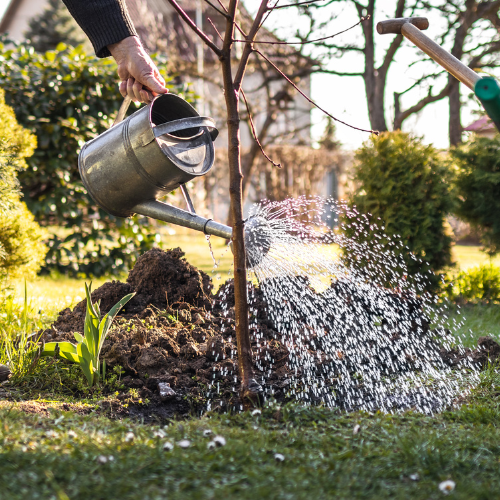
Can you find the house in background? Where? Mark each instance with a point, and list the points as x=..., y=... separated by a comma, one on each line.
x=483, y=127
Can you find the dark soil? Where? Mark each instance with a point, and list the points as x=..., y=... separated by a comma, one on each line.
x=176, y=341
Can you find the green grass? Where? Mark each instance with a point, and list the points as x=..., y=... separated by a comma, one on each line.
x=54, y=454
x=478, y=320
x=323, y=455
x=467, y=256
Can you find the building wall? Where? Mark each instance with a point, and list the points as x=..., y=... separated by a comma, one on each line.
x=19, y=22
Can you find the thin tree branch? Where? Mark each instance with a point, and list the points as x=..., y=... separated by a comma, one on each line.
x=195, y=28
x=307, y=98
x=296, y=4
x=240, y=72
x=216, y=30
x=254, y=132
x=216, y=8
x=309, y=41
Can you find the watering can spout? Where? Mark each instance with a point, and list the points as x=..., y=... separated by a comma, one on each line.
x=257, y=230
x=168, y=213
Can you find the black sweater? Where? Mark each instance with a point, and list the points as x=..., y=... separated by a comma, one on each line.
x=104, y=21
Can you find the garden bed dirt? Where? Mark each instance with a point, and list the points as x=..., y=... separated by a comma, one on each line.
x=175, y=340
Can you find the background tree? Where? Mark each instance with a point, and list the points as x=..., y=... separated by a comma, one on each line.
x=54, y=26
x=478, y=188
x=470, y=32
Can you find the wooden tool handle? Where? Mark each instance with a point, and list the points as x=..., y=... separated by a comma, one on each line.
x=449, y=62
x=393, y=26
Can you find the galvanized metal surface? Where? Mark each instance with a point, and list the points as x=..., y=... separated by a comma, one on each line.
x=131, y=162
x=168, y=213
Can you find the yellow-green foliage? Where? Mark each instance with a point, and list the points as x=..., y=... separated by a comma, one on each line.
x=21, y=250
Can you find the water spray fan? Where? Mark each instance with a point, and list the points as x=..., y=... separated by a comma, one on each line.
x=486, y=89
x=149, y=154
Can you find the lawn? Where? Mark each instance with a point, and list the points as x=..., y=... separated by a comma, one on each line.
x=284, y=453
x=70, y=450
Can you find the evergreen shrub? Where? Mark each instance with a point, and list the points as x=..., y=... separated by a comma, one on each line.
x=478, y=188
x=21, y=249
x=403, y=188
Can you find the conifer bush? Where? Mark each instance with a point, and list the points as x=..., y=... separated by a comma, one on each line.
x=404, y=188
x=21, y=249
x=478, y=188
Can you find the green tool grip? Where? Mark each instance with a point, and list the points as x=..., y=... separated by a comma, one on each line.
x=487, y=91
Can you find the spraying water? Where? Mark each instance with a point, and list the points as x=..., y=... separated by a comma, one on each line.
x=356, y=333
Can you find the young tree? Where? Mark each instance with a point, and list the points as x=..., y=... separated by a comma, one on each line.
x=232, y=81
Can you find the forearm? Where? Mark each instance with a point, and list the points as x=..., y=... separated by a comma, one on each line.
x=105, y=22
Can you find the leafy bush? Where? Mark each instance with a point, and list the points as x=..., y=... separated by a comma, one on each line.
x=66, y=98
x=478, y=188
x=480, y=284
x=403, y=188
x=21, y=250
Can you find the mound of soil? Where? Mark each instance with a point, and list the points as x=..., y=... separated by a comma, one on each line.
x=176, y=341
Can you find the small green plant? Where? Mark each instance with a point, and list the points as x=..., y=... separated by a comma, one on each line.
x=87, y=350
x=18, y=345
x=479, y=284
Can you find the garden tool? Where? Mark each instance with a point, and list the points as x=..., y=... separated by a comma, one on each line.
x=147, y=155
x=486, y=89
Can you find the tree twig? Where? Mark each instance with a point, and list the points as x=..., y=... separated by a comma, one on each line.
x=195, y=28
x=216, y=30
x=254, y=132
x=296, y=4
x=307, y=98
x=216, y=8
x=309, y=41
x=240, y=72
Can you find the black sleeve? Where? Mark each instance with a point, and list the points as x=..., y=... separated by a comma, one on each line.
x=104, y=21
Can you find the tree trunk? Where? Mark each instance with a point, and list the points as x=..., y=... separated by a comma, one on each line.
x=250, y=390
x=374, y=84
x=455, y=126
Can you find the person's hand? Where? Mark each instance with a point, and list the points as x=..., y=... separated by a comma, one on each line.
x=140, y=78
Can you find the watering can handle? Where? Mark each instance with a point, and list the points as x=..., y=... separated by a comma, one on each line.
x=184, y=123
x=122, y=111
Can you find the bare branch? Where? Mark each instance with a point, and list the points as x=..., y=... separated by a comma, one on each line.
x=195, y=28
x=403, y=115
x=296, y=4
x=216, y=8
x=309, y=99
x=216, y=30
x=240, y=72
x=309, y=41
x=254, y=132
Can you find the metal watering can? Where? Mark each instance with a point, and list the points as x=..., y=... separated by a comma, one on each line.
x=155, y=150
